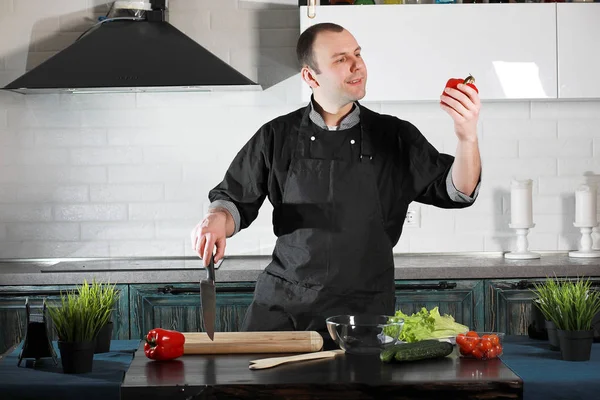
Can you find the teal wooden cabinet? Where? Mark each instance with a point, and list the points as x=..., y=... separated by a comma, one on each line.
x=463, y=299
x=178, y=307
x=13, y=317
x=508, y=304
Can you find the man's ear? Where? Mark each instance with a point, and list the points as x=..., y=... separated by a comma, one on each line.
x=309, y=77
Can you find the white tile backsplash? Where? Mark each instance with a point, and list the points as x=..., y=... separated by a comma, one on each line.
x=127, y=193
x=19, y=118
x=143, y=247
x=48, y=41
x=48, y=248
x=39, y=156
x=164, y=211
x=6, y=6
x=566, y=109
x=106, y=156
x=573, y=166
x=144, y=173
x=90, y=212
x=128, y=174
x=519, y=168
x=513, y=129
x=41, y=7
x=59, y=174
x=117, y=230
x=42, y=231
x=579, y=128
x=25, y=213
x=67, y=137
x=52, y=193
x=566, y=147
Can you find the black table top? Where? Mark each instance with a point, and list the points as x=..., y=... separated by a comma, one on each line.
x=345, y=376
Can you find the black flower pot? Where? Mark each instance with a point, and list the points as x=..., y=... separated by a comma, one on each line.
x=576, y=345
x=552, y=335
x=103, y=338
x=76, y=357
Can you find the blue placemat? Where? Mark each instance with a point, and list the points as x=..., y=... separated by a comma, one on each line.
x=546, y=376
x=47, y=381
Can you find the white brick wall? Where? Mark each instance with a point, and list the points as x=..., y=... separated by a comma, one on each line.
x=128, y=174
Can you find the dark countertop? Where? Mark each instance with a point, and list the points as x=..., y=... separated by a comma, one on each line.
x=438, y=266
x=345, y=376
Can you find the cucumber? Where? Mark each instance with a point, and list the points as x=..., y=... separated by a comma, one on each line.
x=387, y=354
x=422, y=350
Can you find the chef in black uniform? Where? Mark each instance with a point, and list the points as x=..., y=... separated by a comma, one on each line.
x=340, y=178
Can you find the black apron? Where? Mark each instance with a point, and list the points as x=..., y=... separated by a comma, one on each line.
x=332, y=255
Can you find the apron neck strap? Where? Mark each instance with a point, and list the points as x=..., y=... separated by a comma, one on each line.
x=305, y=132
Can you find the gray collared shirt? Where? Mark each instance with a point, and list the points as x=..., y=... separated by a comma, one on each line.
x=350, y=120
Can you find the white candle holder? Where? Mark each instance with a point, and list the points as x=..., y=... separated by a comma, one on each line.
x=586, y=243
x=522, y=252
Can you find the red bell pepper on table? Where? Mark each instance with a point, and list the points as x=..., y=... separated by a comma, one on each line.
x=164, y=344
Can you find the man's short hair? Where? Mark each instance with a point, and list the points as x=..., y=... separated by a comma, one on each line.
x=304, y=48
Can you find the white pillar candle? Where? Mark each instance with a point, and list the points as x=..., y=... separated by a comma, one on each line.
x=585, y=206
x=521, y=214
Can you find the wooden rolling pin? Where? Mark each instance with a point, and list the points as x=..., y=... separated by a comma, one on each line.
x=252, y=342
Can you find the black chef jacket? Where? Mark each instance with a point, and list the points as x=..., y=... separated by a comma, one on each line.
x=408, y=167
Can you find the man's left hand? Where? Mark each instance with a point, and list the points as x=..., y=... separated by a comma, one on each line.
x=463, y=105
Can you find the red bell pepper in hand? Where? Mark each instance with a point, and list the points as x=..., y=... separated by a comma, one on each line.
x=454, y=82
x=164, y=344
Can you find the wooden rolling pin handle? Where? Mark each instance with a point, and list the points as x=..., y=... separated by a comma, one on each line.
x=252, y=342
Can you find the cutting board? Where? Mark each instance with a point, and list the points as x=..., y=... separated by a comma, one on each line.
x=252, y=342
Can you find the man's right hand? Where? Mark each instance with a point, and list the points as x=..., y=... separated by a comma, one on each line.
x=211, y=232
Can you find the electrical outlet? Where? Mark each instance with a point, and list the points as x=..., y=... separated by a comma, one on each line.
x=413, y=218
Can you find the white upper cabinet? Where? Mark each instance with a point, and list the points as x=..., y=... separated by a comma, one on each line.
x=578, y=50
x=412, y=50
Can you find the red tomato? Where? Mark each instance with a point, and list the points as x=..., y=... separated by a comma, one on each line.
x=472, y=334
x=467, y=346
x=485, y=344
x=465, y=352
x=474, y=340
x=460, y=339
x=498, y=350
x=494, y=339
x=491, y=353
x=478, y=354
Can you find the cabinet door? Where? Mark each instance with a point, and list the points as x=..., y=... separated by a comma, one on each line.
x=462, y=299
x=578, y=56
x=508, y=304
x=178, y=307
x=13, y=317
x=411, y=51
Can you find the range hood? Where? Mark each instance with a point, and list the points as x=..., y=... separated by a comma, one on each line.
x=141, y=52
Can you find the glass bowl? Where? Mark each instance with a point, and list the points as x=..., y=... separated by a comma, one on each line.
x=480, y=345
x=363, y=334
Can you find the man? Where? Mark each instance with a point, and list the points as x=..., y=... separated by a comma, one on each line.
x=340, y=178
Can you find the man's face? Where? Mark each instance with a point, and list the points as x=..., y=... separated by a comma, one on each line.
x=343, y=73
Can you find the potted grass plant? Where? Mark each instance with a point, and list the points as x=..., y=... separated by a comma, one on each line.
x=77, y=320
x=576, y=304
x=105, y=297
x=547, y=294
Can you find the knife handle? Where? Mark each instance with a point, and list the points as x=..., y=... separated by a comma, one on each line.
x=210, y=270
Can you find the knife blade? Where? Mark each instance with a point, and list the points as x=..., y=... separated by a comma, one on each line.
x=208, y=297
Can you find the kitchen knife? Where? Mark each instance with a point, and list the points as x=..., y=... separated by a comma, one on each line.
x=209, y=298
